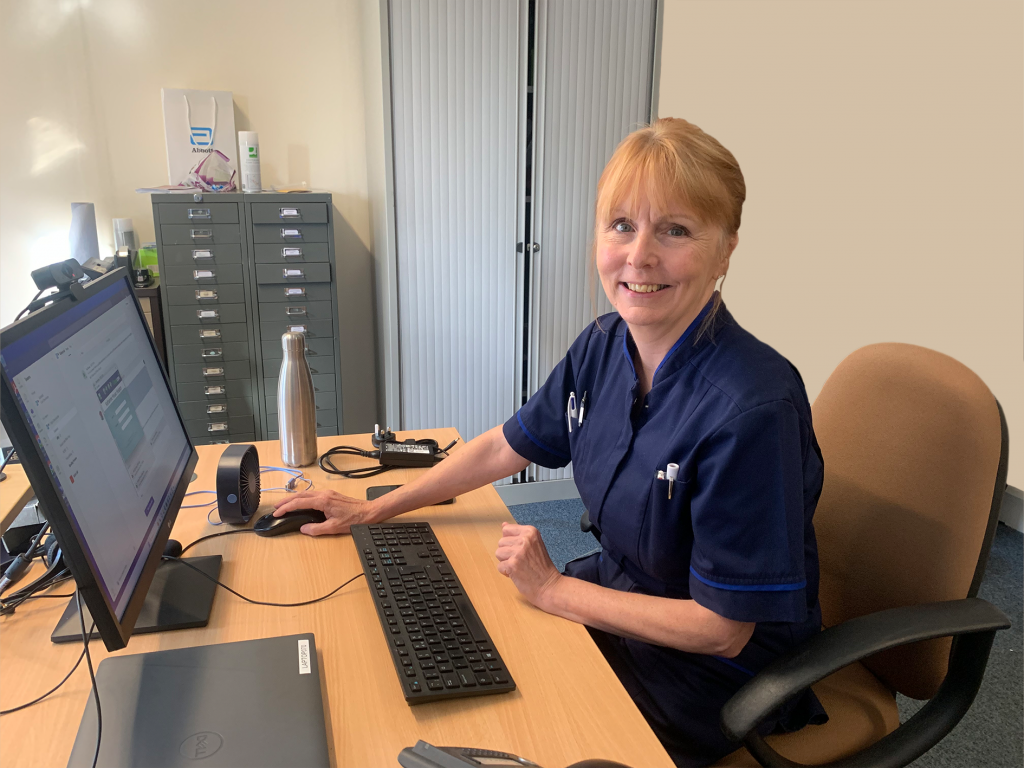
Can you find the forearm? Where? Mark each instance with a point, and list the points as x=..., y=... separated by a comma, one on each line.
x=480, y=461
x=681, y=624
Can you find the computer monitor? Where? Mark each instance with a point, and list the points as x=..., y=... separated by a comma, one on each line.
x=88, y=407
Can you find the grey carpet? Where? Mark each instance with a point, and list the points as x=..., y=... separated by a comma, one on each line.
x=990, y=734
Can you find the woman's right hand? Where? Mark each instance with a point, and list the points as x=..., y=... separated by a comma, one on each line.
x=342, y=511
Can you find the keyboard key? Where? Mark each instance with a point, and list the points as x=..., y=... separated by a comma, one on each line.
x=500, y=678
x=459, y=664
x=467, y=680
x=478, y=668
x=423, y=655
x=448, y=667
x=410, y=672
x=430, y=676
x=483, y=679
x=435, y=685
x=451, y=681
x=492, y=667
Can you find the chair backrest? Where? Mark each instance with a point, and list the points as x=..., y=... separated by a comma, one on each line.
x=915, y=448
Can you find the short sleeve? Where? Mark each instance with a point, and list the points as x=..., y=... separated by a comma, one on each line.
x=539, y=431
x=747, y=562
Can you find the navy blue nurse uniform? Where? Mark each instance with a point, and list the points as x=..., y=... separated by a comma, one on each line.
x=736, y=536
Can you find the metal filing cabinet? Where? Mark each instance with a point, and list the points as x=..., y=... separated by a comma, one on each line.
x=238, y=270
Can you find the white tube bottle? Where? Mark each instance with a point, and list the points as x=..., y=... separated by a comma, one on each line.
x=249, y=160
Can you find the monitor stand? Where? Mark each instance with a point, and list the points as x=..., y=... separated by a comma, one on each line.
x=178, y=598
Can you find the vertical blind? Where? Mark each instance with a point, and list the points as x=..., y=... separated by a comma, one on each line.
x=594, y=60
x=455, y=116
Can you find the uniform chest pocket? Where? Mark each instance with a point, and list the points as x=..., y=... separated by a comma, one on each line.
x=666, y=534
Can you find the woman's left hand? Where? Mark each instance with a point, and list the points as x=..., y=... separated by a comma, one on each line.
x=523, y=557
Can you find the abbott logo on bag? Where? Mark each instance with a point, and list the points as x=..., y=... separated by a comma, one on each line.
x=201, y=137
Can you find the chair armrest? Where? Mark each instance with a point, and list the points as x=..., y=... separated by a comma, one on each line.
x=972, y=622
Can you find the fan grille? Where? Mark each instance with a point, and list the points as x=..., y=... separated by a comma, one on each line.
x=249, y=483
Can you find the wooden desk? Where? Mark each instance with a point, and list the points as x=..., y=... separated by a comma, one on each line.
x=568, y=704
x=15, y=493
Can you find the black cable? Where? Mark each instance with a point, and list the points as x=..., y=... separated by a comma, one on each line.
x=261, y=602
x=26, y=309
x=7, y=459
x=327, y=465
x=8, y=604
x=213, y=536
x=58, y=685
x=92, y=676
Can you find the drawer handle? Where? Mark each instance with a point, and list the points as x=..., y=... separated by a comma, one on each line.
x=291, y=311
x=212, y=352
x=209, y=333
x=297, y=328
x=291, y=234
x=216, y=408
x=202, y=234
x=293, y=272
x=294, y=291
x=206, y=294
x=313, y=370
x=202, y=253
x=287, y=253
x=289, y=213
x=218, y=390
x=220, y=442
x=218, y=426
x=200, y=274
x=207, y=314
x=199, y=213
x=213, y=371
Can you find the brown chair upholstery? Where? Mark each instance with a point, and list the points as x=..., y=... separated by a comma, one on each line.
x=915, y=449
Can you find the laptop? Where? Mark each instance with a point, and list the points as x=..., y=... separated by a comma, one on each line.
x=251, y=703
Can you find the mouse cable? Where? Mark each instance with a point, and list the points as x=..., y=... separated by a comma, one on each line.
x=261, y=602
x=187, y=547
x=86, y=637
x=11, y=602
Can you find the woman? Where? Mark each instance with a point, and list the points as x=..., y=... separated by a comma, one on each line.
x=704, y=579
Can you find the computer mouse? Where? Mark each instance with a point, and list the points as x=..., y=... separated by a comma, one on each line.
x=268, y=525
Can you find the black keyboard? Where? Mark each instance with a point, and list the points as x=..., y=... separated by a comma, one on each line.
x=438, y=644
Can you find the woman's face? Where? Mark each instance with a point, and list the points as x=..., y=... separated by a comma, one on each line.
x=659, y=269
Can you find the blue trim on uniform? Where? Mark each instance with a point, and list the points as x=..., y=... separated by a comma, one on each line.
x=734, y=665
x=537, y=442
x=625, y=349
x=751, y=587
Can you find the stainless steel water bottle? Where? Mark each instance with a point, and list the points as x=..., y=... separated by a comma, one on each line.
x=296, y=408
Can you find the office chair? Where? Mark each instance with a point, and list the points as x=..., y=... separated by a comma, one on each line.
x=915, y=449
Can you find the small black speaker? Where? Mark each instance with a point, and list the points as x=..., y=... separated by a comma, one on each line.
x=238, y=484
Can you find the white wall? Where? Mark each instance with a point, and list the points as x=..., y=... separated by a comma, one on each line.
x=882, y=147
x=81, y=120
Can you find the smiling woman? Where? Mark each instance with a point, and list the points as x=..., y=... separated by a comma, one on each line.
x=705, y=578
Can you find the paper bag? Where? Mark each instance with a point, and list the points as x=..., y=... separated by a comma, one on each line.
x=199, y=128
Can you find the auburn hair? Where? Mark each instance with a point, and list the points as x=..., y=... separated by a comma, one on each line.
x=669, y=162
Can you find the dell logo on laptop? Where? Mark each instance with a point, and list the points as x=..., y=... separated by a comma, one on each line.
x=200, y=745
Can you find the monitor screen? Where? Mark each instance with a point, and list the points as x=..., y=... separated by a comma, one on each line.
x=95, y=401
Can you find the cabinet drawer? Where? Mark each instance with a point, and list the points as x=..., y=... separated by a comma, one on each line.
x=211, y=354
x=196, y=256
x=284, y=214
x=215, y=410
x=318, y=366
x=315, y=349
x=219, y=426
x=323, y=382
x=214, y=373
x=323, y=419
x=216, y=314
x=297, y=312
x=198, y=214
x=288, y=233
x=325, y=401
x=320, y=432
x=214, y=274
x=209, y=334
x=201, y=234
x=248, y=437
x=293, y=293
x=291, y=254
x=214, y=391
x=314, y=329
x=293, y=273
x=207, y=295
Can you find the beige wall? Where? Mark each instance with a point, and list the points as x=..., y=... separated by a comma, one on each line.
x=882, y=147
x=81, y=120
